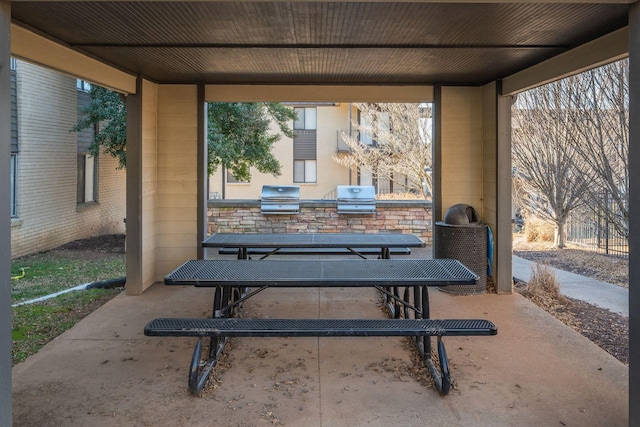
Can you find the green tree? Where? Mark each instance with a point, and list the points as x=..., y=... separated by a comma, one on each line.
x=240, y=138
x=239, y=133
x=108, y=110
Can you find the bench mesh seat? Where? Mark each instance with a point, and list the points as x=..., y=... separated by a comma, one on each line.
x=233, y=327
x=298, y=273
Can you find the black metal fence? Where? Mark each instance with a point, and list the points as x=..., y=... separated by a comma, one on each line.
x=594, y=232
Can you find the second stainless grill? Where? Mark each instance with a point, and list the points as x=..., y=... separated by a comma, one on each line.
x=280, y=199
x=356, y=199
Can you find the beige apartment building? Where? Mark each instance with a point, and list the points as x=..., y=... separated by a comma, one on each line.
x=306, y=159
x=59, y=192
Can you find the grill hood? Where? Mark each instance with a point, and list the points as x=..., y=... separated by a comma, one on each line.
x=280, y=199
x=356, y=199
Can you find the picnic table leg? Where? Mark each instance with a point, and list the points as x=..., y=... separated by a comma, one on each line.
x=221, y=300
x=396, y=303
x=393, y=304
x=441, y=376
x=243, y=253
x=200, y=369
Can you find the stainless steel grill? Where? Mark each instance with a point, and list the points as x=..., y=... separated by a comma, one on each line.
x=280, y=199
x=356, y=199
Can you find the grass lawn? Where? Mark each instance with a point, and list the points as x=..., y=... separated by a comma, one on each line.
x=33, y=276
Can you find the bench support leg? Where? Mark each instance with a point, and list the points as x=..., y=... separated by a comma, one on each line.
x=441, y=375
x=226, y=302
x=420, y=310
x=199, y=370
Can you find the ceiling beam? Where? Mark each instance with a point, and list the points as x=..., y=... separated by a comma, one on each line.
x=350, y=1
x=328, y=93
x=311, y=46
x=604, y=50
x=31, y=47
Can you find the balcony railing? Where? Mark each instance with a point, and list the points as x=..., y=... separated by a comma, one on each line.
x=341, y=144
x=343, y=147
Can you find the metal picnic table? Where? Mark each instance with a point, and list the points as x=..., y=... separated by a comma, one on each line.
x=237, y=280
x=352, y=242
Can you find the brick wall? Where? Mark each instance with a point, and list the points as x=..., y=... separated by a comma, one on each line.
x=226, y=216
x=47, y=211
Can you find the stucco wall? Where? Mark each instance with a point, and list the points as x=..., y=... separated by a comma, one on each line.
x=149, y=183
x=462, y=145
x=489, y=155
x=176, y=202
x=48, y=213
x=489, y=213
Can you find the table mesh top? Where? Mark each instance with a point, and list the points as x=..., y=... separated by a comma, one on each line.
x=312, y=240
x=347, y=273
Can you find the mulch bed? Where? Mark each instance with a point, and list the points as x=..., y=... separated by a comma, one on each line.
x=108, y=243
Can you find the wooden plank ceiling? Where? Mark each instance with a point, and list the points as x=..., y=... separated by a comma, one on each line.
x=320, y=42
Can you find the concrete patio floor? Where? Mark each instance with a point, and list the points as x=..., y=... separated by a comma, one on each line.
x=105, y=372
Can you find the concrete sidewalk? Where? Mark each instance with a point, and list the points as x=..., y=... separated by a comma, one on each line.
x=602, y=294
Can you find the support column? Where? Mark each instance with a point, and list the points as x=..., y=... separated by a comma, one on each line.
x=502, y=251
x=436, y=163
x=634, y=214
x=203, y=175
x=134, y=191
x=5, y=214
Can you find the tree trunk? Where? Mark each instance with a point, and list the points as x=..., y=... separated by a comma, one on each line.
x=558, y=234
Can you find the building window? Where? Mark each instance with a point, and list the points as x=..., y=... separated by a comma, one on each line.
x=83, y=86
x=304, y=145
x=373, y=127
x=13, y=169
x=305, y=118
x=231, y=179
x=87, y=163
x=13, y=64
x=87, y=182
x=304, y=171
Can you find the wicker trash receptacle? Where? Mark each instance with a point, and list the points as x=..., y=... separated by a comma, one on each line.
x=468, y=244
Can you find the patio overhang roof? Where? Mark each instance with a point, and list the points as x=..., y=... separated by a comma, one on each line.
x=330, y=43
x=131, y=45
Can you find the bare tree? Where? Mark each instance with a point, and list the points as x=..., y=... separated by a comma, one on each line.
x=546, y=172
x=392, y=141
x=601, y=115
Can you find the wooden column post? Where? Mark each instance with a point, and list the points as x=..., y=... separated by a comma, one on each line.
x=634, y=214
x=5, y=214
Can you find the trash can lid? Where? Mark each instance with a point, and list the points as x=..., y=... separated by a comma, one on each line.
x=460, y=214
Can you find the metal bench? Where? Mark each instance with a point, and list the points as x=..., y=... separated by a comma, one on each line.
x=234, y=327
x=233, y=280
x=312, y=251
x=222, y=328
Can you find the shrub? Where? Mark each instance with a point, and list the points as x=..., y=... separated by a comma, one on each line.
x=538, y=231
x=543, y=284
